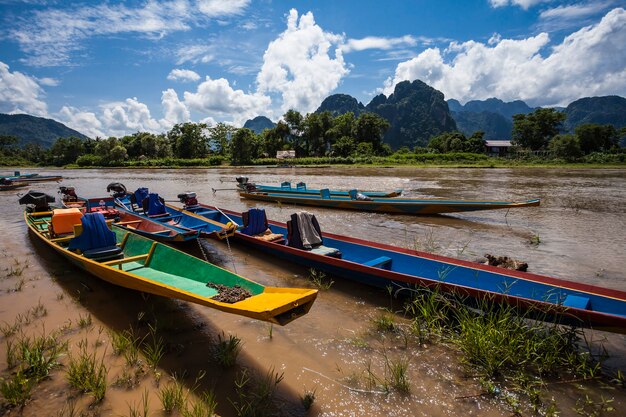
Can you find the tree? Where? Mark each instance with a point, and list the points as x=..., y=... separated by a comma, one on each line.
x=273, y=140
x=343, y=125
x=566, y=147
x=534, y=130
x=6, y=142
x=118, y=154
x=594, y=137
x=370, y=128
x=457, y=142
x=66, y=150
x=189, y=140
x=344, y=146
x=243, y=147
x=219, y=137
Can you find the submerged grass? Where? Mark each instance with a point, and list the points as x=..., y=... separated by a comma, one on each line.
x=87, y=374
x=227, y=350
x=509, y=351
x=255, y=394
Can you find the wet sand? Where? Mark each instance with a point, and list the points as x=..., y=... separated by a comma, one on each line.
x=579, y=227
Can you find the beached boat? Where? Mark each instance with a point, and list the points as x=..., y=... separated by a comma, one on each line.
x=384, y=265
x=132, y=261
x=301, y=189
x=154, y=229
x=386, y=205
x=18, y=174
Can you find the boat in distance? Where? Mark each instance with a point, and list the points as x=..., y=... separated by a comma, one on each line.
x=384, y=265
x=301, y=189
x=135, y=262
x=386, y=205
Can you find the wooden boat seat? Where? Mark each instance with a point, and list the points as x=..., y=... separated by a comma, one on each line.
x=383, y=262
x=576, y=301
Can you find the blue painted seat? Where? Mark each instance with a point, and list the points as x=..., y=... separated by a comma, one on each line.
x=383, y=262
x=325, y=193
x=301, y=186
x=285, y=184
x=576, y=301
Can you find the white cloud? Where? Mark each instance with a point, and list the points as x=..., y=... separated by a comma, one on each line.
x=121, y=118
x=588, y=62
x=183, y=75
x=47, y=81
x=20, y=93
x=50, y=36
x=217, y=8
x=299, y=66
x=375, y=42
x=217, y=97
x=524, y=4
x=86, y=123
x=194, y=54
x=174, y=110
x=567, y=16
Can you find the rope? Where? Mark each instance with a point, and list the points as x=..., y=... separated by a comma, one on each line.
x=232, y=258
x=206, y=258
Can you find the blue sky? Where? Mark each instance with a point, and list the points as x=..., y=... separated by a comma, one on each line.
x=117, y=67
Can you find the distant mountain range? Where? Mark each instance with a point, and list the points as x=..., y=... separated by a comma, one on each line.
x=35, y=129
x=259, y=124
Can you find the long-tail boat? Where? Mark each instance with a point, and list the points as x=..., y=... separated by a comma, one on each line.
x=39, y=178
x=385, y=205
x=132, y=261
x=301, y=189
x=383, y=265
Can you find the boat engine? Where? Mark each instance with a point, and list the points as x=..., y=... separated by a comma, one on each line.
x=188, y=198
x=36, y=201
x=118, y=189
x=68, y=193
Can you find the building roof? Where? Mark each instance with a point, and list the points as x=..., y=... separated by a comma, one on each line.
x=498, y=143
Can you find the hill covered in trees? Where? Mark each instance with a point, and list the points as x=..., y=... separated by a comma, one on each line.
x=606, y=110
x=259, y=124
x=36, y=130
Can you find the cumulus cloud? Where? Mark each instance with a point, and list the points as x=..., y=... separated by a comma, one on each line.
x=20, y=93
x=300, y=66
x=85, y=122
x=588, y=62
x=567, y=16
x=174, y=110
x=183, y=75
x=130, y=115
x=524, y=4
x=217, y=97
x=50, y=36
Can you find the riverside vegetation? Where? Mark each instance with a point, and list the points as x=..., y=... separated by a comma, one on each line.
x=321, y=138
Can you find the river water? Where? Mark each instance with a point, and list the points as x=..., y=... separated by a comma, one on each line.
x=578, y=233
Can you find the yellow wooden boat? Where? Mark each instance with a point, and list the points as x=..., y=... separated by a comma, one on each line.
x=136, y=262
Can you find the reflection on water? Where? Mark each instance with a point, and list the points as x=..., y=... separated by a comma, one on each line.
x=579, y=226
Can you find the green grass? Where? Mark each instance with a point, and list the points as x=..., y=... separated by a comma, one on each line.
x=319, y=279
x=172, y=396
x=227, y=350
x=255, y=394
x=153, y=348
x=87, y=374
x=308, y=399
x=384, y=321
x=16, y=390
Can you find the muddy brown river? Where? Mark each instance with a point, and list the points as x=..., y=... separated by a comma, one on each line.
x=578, y=233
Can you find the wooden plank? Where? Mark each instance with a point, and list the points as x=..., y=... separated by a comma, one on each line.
x=123, y=261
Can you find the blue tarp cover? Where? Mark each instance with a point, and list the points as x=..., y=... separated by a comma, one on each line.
x=155, y=206
x=256, y=222
x=96, y=234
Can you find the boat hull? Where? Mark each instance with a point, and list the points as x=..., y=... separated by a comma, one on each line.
x=316, y=192
x=394, y=206
x=410, y=269
x=167, y=275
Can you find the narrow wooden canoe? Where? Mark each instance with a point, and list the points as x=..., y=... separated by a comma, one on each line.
x=301, y=189
x=384, y=265
x=158, y=269
x=386, y=205
x=13, y=186
x=39, y=178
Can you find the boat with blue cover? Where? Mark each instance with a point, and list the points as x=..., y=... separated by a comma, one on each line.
x=302, y=189
x=126, y=220
x=129, y=260
x=383, y=265
x=357, y=201
x=151, y=206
